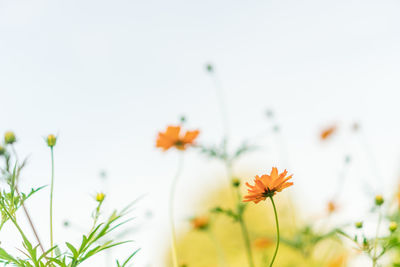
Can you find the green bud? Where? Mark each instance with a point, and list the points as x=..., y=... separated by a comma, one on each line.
x=392, y=227
x=365, y=242
x=359, y=225
x=9, y=138
x=209, y=68
x=379, y=200
x=51, y=140
x=2, y=150
x=235, y=182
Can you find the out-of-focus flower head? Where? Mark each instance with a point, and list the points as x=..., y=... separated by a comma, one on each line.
x=51, y=140
x=9, y=138
x=331, y=207
x=200, y=223
x=263, y=243
x=173, y=138
x=355, y=127
x=267, y=185
x=328, y=132
x=339, y=261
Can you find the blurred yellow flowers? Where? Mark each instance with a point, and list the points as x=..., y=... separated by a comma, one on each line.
x=172, y=138
x=267, y=185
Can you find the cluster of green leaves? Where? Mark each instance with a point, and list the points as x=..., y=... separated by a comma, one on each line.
x=33, y=255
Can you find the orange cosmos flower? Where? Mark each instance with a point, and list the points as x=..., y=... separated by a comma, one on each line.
x=339, y=261
x=200, y=223
x=267, y=186
x=172, y=138
x=262, y=243
x=331, y=207
x=325, y=134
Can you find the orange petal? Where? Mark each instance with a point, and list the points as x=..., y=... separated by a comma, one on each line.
x=173, y=132
x=190, y=136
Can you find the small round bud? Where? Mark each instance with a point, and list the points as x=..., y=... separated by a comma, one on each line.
x=2, y=150
x=392, y=227
x=209, y=67
x=269, y=113
x=51, y=140
x=100, y=197
x=365, y=243
x=182, y=119
x=379, y=200
x=66, y=223
x=235, y=182
x=9, y=138
x=358, y=225
x=355, y=126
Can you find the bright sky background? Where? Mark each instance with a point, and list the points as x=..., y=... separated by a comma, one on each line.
x=108, y=75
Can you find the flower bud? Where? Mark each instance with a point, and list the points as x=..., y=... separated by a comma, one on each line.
x=358, y=225
x=100, y=197
x=235, y=182
x=2, y=150
x=9, y=138
x=209, y=68
x=51, y=140
x=392, y=227
x=379, y=200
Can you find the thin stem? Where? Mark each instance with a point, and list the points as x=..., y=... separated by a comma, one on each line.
x=222, y=104
x=23, y=204
x=220, y=253
x=51, y=200
x=228, y=166
x=375, y=259
x=171, y=211
x=277, y=232
x=30, y=220
x=246, y=239
x=14, y=222
x=243, y=227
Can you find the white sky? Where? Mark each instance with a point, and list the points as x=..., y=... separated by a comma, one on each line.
x=107, y=75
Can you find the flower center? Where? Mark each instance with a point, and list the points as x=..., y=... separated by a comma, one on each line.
x=179, y=144
x=268, y=192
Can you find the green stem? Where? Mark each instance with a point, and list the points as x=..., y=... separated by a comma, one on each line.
x=277, y=232
x=243, y=227
x=220, y=252
x=375, y=259
x=14, y=186
x=246, y=239
x=171, y=211
x=51, y=200
x=222, y=105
